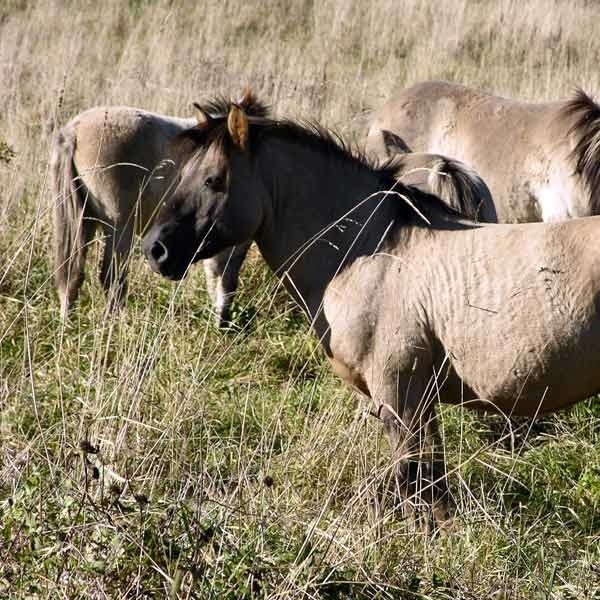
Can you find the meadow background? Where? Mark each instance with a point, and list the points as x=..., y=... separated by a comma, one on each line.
x=150, y=455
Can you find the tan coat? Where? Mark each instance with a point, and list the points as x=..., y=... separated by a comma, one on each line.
x=540, y=160
x=111, y=170
x=412, y=304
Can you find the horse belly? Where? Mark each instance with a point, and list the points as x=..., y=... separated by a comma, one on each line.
x=523, y=331
x=532, y=389
x=551, y=364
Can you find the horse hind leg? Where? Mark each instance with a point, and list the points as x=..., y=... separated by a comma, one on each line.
x=114, y=268
x=222, y=277
x=70, y=280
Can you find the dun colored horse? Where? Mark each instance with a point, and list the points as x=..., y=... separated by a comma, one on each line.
x=412, y=303
x=541, y=161
x=110, y=172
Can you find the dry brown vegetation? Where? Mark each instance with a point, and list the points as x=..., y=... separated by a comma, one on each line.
x=235, y=465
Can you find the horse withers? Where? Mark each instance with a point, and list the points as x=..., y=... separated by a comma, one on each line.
x=541, y=161
x=412, y=303
x=110, y=171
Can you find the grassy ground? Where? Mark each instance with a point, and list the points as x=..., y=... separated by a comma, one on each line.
x=150, y=454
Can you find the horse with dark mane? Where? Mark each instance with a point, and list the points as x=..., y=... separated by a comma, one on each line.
x=412, y=303
x=111, y=168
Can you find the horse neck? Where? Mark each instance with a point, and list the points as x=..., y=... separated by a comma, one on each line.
x=322, y=213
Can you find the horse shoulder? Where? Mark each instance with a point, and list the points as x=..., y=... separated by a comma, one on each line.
x=374, y=324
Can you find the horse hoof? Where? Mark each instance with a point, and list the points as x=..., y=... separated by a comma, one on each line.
x=223, y=319
x=443, y=517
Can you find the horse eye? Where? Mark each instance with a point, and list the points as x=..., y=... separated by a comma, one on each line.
x=214, y=182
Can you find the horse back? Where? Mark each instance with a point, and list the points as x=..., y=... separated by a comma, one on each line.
x=121, y=155
x=518, y=321
x=515, y=146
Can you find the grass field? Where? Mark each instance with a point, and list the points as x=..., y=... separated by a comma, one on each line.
x=149, y=455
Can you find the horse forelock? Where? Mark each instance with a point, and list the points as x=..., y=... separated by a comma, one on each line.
x=189, y=142
x=219, y=106
x=581, y=115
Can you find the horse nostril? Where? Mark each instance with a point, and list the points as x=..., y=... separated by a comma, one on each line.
x=159, y=252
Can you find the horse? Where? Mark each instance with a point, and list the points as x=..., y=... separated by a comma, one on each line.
x=110, y=170
x=111, y=167
x=412, y=303
x=541, y=161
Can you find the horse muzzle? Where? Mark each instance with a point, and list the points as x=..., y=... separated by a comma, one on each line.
x=160, y=258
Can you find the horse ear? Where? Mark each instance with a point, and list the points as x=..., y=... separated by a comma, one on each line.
x=393, y=143
x=237, y=125
x=202, y=117
x=247, y=99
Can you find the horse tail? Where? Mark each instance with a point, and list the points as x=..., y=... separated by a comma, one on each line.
x=461, y=188
x=71, y=233
x=583, y=116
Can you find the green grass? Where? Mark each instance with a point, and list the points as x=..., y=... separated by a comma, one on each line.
x=152, y=454
x=149, y=454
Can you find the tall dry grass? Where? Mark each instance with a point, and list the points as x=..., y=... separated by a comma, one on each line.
x=236, y=465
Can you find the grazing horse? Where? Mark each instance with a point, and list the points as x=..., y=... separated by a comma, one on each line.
x=412, y=303
x=541, y=161
x=110, y=171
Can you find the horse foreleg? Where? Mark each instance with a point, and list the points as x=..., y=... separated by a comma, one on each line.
x=418, y=454
x=113, y=272
x=421, y=473
x=222, y=276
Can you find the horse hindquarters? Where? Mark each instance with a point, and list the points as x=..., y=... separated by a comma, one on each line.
x=74, y=222
x=77, y=214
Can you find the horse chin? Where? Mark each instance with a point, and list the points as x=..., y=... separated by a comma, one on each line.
x=175, y=274
x=208, y=249
x=204, y=253
x=177, y=270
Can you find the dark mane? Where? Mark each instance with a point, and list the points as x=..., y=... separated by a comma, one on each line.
x=459, y=186
x=583, y=117
x=308, y=134
x=218, y=107
x=323, y=140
